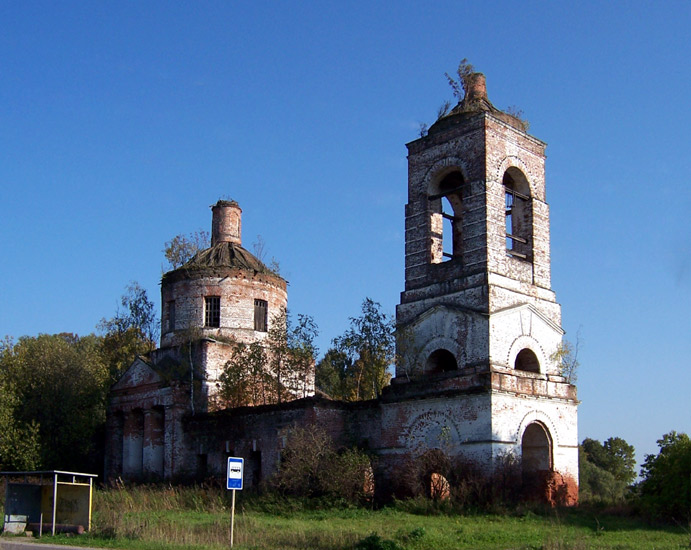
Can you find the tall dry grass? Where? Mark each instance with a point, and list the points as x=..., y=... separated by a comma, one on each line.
x=199, y=517
x=185, y=516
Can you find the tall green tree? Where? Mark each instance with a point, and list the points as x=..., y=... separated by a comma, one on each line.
x=19, y=441
x=61, y=382
x=280, y=367
x=132, y=331
x=302, y=335
x=666, y=486
x=357, y=366
x=278, y=354
x=245, y=379
x=606, y=470
x=615, y=455
x=291, y=354
x=330, y=374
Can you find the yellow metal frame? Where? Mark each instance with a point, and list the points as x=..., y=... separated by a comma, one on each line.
x=56, y=482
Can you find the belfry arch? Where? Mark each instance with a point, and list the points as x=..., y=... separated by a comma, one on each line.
x=446, y=217
x=518, y=215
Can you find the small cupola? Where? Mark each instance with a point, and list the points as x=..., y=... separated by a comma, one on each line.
x=226, y=224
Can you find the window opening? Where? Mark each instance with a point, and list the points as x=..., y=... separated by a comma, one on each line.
x=202, y=467
x=212, y=311
x=448, y=228
x=260, y=315
x=134, y=443
x=256, y=467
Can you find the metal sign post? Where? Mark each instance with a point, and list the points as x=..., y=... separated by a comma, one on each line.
x=236, y=467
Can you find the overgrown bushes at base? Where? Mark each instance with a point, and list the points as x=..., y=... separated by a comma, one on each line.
x=312, y=466
x=433, y=477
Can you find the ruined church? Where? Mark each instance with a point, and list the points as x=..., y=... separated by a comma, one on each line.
x=478, y=324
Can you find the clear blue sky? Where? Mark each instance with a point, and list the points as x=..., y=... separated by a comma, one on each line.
x=121, y=122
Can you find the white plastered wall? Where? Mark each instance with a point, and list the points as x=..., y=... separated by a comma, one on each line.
x=512, y=414
x=521, y=327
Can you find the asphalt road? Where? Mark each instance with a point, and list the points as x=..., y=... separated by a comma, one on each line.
x=22, y=544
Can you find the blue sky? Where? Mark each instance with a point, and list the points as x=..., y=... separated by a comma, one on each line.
x=121, y=122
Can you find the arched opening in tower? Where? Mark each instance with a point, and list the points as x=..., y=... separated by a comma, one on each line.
x=441, y=360
x=519, y=214
x=527, y=361
x=447, y=211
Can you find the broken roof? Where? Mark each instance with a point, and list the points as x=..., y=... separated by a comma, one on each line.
x=475, y=101
x=216, y=260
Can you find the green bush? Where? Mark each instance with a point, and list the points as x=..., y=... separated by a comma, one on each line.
x=375, y=542
x=312, y=466
x=666, y=487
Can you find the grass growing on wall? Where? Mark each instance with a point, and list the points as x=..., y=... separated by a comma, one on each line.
x=199, y=518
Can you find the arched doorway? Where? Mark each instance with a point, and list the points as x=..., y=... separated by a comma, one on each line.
x=434, y=469
x=536, y=448
x=536, y=462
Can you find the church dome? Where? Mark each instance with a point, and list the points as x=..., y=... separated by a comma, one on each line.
x=222, y=292
x=215, y=261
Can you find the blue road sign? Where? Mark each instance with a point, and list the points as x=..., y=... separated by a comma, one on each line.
x=235, y=471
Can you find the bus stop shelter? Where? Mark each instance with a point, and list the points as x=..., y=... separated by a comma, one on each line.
x=48, y=500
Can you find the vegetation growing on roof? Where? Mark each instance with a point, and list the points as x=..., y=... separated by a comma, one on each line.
x=465, y=79
x=461, y=86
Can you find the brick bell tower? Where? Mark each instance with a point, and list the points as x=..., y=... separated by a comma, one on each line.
x=478, y=310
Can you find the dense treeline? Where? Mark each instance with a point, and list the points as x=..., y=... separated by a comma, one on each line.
x=53, y=388
x=607, y=473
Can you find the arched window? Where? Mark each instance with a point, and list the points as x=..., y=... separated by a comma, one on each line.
x=526, y=360
x=446, y=216
x=519, y=214
x=441, y=360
